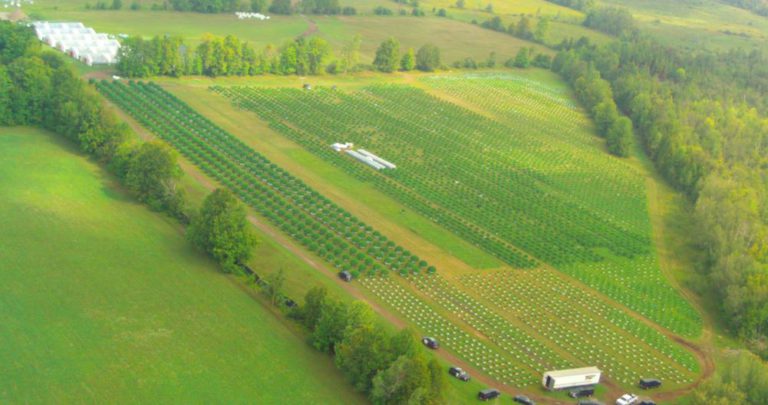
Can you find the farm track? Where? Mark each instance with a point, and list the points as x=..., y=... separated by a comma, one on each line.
x=386, y=313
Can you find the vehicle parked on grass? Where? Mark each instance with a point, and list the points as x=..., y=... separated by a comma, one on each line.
x=627, y=399
x=458, y=373
x=582, y=392
x=646, y=402
x=522, y=399
x=489, y=393
x=430, y=342
x=345, y=275
x=589, y=402
x=649, y=383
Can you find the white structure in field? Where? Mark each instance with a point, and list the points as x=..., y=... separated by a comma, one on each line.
x=340, y=147
x=78, y=41
x=576, y=377
x=385, y=163
x=363, y=156
x=241, y=15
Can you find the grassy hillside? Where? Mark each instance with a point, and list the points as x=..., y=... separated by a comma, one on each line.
x=103, y=301
x=697, y=23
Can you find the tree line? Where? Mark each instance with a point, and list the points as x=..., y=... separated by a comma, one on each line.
x=596, y=95
x=702, y=118
x=283, y=7
x=224, y=56
x=229, y=56
x=390, y=368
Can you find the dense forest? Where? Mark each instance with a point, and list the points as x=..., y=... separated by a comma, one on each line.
x=701, y=117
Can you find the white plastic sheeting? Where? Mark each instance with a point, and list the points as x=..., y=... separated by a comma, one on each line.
x=79, y=41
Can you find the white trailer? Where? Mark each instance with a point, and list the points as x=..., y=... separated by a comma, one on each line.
x=576, y=377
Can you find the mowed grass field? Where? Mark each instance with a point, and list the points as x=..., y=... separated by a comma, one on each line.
x=103, y=301
x=508, y=338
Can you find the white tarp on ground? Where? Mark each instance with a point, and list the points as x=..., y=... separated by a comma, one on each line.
x=78, y=41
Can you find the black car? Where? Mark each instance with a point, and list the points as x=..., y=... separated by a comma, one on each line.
x=648, y=383
x=430, y=342
x=646, y=402
x=489, y=393
x=522, y=399
x=582, y=392
x=345, y=275
x=458, y=373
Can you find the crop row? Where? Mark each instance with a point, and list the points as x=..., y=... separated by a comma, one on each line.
x=584, y=325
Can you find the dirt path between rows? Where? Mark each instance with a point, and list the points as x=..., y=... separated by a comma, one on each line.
x=311, y=29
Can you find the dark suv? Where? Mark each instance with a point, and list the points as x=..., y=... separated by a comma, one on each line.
x=489, y=393
x=458, y=373
x=522, y=399
x=648, y=383
x=430, y=342
x=582, y=392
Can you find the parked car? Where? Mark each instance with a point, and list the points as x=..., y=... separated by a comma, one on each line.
x=345, y=275
x=589, y=402
x=646, y=402
x=430, y=342
x=458, y=373
x=648, y=383
x=522, y=399
x=489, y=393
x=627, y=399
x=582, y=392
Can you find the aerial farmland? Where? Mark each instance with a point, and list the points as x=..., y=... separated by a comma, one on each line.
x=318, y=202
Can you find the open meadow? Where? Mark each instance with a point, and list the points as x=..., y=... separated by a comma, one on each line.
x=102, y=300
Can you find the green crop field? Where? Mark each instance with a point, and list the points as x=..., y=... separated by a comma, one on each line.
x=520, y=341
x=103, y=301
x=492, y=181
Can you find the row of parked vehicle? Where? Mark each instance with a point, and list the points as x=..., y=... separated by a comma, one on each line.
x=581, y=392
